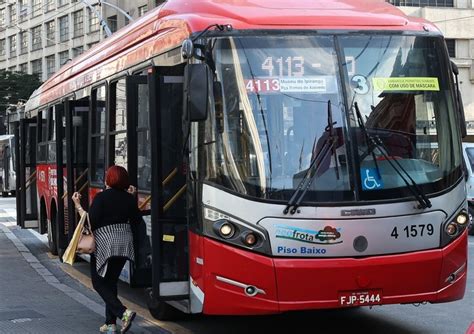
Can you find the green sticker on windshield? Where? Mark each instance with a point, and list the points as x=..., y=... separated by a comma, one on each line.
x=406, y=84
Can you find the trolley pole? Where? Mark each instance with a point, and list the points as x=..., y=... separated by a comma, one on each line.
x=103, y=23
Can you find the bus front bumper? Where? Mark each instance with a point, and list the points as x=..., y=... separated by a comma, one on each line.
x=238, y=282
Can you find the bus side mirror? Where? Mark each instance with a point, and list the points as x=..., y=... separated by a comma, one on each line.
x=197, y=86
x=460, y=106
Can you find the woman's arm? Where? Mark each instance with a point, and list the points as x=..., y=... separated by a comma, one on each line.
x=76, y=198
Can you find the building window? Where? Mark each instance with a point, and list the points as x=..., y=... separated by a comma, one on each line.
x=63, y=28
x=93, y=20
x=2, y=18
x=91, y=45
x=50, y=33
x=63, y=57
x=77, y=51
x=2, y=47
x=36, y=38
x=49, y=5
x=23, y=9
x=78, y=21
x=62, y=3
x=112, y=23
x=142, y=10
x=423, y=3
x=12, y=40
x=12, y=14
x=36, y=8
x=12, y=68
x=50, y=65
x=36, y=68
x=24, y=42
x=451, y=45
x=23, y=68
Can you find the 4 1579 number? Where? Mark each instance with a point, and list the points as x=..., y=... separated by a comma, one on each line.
x=412, y=231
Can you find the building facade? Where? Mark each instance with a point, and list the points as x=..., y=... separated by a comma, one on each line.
x=39, y=36
x=455, y=18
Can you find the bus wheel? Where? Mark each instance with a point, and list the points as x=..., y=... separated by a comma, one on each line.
x=4, y=193
x=52, y=235
x=161, y=310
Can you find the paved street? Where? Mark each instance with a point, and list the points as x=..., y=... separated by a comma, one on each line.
x=40, y=295
x=36, y=296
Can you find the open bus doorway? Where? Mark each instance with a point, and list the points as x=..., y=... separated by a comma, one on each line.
x=27, y=210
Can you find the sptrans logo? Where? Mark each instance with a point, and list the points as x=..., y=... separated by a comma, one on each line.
x=327, y=236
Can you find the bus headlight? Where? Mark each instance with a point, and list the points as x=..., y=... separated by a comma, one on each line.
x=454, y=227
x=462, y=218
x=234, y=231
x=249, y=239
x=224, y=229
x=451, y=229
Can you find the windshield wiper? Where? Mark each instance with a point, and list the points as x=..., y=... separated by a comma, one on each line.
x=315, y=165
x=376, y=142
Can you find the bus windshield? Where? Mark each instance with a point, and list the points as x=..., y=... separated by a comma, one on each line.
x=274, y=99
x=402, y=88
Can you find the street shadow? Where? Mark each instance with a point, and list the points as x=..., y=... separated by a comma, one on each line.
x=358, y=320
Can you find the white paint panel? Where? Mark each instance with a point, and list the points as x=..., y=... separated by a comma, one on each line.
x=174, y=288
x=254, y=211
x=31, y=223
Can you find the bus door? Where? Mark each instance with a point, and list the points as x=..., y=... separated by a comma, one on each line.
x=137, y=163
x=74, y=157
x=7, y=167
x=122, y=152
x=27, y=210
x=168, y=176
x=154, y=105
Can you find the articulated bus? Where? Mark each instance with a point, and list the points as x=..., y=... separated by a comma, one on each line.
x=288, y=156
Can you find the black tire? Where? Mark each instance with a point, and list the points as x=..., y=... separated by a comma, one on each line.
x=52, y=233
x=471, y=223
x=161, y=310
x=4, y=193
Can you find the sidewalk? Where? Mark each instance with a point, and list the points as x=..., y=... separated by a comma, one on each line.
x=35, y=298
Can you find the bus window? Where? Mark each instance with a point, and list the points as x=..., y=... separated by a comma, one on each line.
x=42, y=136
x=80, y=123
x=13, y=144
x=118, y=123
x=51, y=135
x=98, y=136
x=143, y=140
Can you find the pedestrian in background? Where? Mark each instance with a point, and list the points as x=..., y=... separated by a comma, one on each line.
x=111, y=213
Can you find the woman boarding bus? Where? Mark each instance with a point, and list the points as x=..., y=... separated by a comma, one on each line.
x=283, y=154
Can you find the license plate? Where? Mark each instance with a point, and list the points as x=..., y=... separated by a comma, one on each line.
x=360, y=298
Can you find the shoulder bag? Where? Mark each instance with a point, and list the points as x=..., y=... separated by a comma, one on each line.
x=86, y=243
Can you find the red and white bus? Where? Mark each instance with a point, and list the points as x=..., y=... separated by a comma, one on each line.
x=288, y=156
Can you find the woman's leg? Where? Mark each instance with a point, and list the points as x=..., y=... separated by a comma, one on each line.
x=115, y=266
x=106, y=287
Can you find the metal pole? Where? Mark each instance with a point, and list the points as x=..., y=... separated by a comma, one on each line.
x=104, y=25
x=117, y=8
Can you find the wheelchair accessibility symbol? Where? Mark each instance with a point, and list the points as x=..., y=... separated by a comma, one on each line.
x=371, y=179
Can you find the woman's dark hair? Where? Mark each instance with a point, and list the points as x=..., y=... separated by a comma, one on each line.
x=117, y=177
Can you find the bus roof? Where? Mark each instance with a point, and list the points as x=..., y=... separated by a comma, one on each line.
x=168, y=25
